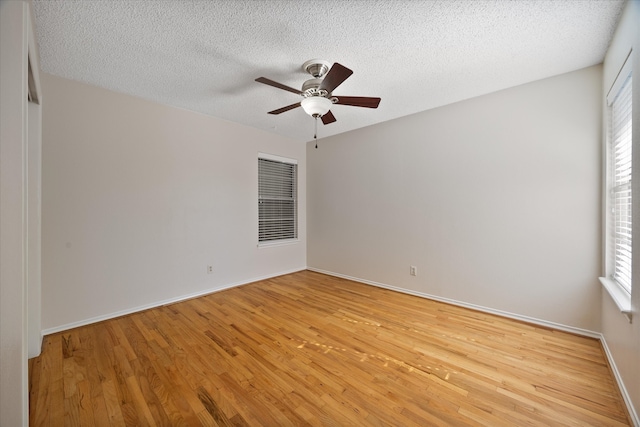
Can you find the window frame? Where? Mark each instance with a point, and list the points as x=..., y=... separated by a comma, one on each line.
x=262, y=197
x=620, y=293
x=620, y=187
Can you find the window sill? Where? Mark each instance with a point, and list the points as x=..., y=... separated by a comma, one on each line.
x=278, y=243
x=620, y=296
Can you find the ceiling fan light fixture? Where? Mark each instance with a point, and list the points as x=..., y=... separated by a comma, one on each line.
x=316, y=106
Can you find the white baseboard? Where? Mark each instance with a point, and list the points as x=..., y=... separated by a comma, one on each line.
x=532, y=320
x=623, y=390
x=120, y=313
x=35, y=350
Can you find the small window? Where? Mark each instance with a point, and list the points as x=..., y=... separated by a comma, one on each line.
x=277, y=199
x=619, y=181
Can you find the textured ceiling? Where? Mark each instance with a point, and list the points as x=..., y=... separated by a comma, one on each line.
x=414, y=54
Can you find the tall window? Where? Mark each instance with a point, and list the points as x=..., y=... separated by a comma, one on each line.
x=277, y=198
x=619, y=178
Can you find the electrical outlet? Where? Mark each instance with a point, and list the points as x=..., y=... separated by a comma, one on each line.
x=209, y=269
x=413, y=270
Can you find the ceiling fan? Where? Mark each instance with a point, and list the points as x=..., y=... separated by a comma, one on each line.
x=317, y=92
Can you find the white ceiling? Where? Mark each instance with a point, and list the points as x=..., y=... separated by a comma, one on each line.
x=414, y=54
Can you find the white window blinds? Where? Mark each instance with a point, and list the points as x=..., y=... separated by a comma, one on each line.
x=277, y=199
x=620, y=187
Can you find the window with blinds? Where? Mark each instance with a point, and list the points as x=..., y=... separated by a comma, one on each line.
x=620, y=183
x=277, y=199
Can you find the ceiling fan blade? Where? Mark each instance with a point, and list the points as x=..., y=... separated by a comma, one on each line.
x=358, y=101
x=328, y=118
x=334, y=78
x=278, y=85
x=283, y=109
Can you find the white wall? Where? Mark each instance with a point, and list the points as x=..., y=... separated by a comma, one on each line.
x=622, y=337
x=138, y=198
x=19, y=212
x=496, y=200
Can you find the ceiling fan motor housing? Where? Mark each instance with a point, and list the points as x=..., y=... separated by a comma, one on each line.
x=310, y=88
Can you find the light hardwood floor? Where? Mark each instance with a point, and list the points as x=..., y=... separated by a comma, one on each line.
x=310, y=349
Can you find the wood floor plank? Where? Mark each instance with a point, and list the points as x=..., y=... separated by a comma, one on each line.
x=94, y=400
x=310, y=349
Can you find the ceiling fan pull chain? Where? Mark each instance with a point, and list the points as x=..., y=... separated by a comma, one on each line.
x=315, y=133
